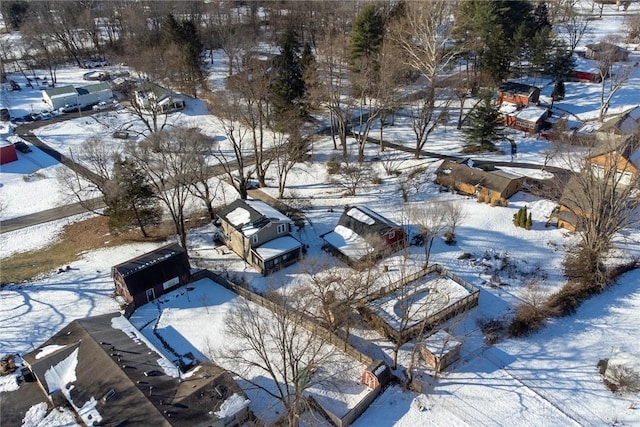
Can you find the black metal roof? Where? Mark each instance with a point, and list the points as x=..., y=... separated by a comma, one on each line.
x=149, y=259
x=515, y=87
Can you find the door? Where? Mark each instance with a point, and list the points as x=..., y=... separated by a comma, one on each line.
x=151, y=295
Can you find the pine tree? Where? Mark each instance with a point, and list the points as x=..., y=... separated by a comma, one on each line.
x=288, y=87
x=134, y=201
x=529, y=223
x=486, y=127
x=365, y=40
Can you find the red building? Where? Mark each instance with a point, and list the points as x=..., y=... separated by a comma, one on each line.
x=364, y=235
x=376, y=375
x=518, y=93
x=7, y=152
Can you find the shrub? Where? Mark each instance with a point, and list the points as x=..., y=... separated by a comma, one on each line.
x=621, y=379
x=376, y=180
x=529, y=318
x=523, y=219
x=333, y=165
x=449, y=238
x=481, y=198
x=494, y=202
x=492, y=329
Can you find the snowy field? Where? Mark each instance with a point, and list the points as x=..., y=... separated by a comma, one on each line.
x=547, y=379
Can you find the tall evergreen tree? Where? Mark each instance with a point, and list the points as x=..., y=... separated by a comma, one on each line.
x=365, y=40
x=486, y=127
x=133, y=201
x=288, y=87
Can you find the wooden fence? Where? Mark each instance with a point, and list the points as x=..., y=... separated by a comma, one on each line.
x=428, y=322
x=309, y=323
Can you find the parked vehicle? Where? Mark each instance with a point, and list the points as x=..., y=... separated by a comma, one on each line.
x=34, y=117
x=45, y=115
x=69, y=108
x=100, y=106
x=22, y=147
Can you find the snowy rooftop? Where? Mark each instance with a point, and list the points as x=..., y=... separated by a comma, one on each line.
x=348, y=242
x=276, y=247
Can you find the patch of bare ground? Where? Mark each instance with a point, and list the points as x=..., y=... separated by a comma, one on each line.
x=75, y=239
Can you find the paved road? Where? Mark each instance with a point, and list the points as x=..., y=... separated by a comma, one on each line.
x=25, y=131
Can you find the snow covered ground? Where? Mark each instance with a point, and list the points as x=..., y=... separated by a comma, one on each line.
x=547, y=379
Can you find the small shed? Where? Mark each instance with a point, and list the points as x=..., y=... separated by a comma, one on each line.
x=529, y=119
x=606, y=51
x=440, y=350
x=518, y=93
x=377, y=374
x=7, y=152
x=150, y=275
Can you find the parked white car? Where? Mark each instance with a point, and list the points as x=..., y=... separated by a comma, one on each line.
x=100, y=106
x=69, y=108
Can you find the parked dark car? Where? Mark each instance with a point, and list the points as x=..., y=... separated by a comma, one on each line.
x=22, y=147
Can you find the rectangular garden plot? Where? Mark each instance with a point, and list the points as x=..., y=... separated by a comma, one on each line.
x=418, y=303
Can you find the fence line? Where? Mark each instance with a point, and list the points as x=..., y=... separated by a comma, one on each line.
x=428, y=322
x=304, y=320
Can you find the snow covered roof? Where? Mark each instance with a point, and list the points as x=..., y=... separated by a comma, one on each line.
x=347, y=241
x=108, y=371
x=531, y=113
x=276, y=247
x=249, y=216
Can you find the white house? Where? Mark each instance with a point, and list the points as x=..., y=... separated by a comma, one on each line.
x=153, y=97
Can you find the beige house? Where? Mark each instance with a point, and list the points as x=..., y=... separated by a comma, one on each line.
x=259, y=234
x=494, y=186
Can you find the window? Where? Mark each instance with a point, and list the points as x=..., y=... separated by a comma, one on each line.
x=282, y=228
x=392, y=234
x=623, y=178
x=254, y=238
x=597, y=170
x=171, y=282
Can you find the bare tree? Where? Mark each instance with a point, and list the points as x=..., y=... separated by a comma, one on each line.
x=613, y=77
x=351, y=176
x=92, y=176
x=333, y=89
x=602, y=198
x=200, y=180
x=145, y=105
x=276, y=344
x=253, y=109
x=229, y=105
x=226, y=26
x=430, y=219
x=334, y=292
x=574, y=24
x=288, y=151
x=453, y=215
x=167, y=157
x=421, y=35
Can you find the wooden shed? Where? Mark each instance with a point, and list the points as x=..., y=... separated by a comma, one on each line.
x=440, y=350
x=377, y=374
x=518, y=93
x=150, y=275
x=606, y=51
